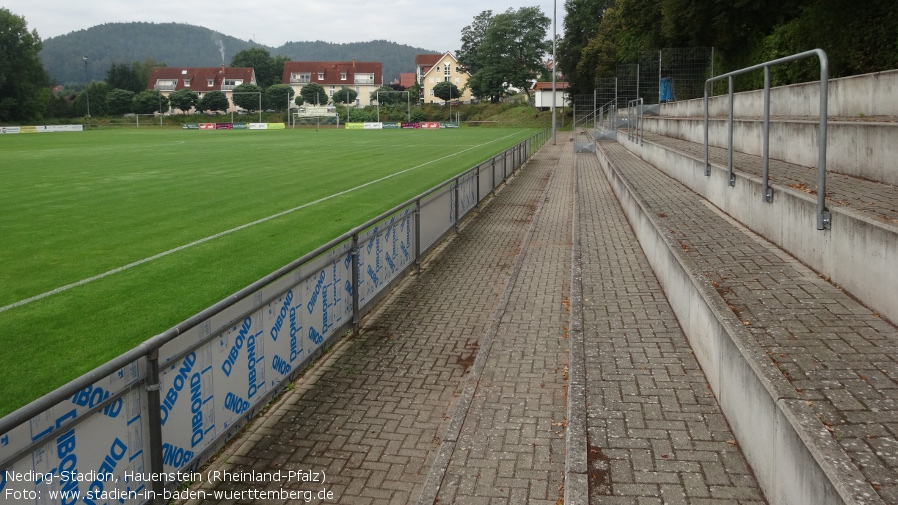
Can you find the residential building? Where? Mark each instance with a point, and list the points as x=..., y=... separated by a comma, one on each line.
x=362, y=76
x=434, y=69
x=201, y=80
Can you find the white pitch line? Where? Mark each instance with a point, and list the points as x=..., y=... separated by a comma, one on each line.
x=82, y=282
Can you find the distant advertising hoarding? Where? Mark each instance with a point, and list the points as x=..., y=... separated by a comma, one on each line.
x=42, y=129
x=276, y=126
x=374, y=126
x=258, y=126
x=355, y=126
x=430, y=124
x=224, y=126
x=207, y=126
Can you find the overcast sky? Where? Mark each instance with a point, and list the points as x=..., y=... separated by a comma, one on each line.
x=426, y=24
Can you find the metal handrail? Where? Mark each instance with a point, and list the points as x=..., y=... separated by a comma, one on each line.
x=611, y=105
x=635, y=117
x=823, y=215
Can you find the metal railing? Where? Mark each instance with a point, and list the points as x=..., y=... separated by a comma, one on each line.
x=610, y=116
x=635, y=121
x=165, y=406
x=823, y=215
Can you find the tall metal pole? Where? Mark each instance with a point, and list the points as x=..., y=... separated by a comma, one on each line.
x=87, y=85
x=554, y=66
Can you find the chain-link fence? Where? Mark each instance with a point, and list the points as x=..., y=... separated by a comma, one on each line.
x=659, y=76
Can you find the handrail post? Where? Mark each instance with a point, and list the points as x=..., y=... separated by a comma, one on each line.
x=356, y=310
x=731, y=175
x=154, y=419
x=417, y=236
x=457, y=210
x=707, y=160
x=765, y=139
x=824, y=218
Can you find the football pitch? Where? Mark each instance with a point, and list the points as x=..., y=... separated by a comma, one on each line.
x=110, y=237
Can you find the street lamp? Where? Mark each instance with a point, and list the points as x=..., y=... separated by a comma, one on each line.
x=87, y=85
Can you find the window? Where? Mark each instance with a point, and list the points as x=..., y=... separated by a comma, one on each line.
x=186, y=83
x=301, y=77
x=210, y=82
x=447, y=72
x=330, y=92
x=320, y=76
x=364, y=78
x=231, y=83
x=342, y=76
x=166, y=84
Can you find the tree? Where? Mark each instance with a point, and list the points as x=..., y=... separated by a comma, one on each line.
x=314, y=94
x=278, y=96
x=471, y=39
x=149, y=101
x=183, y=99
x=92, y=101
x=144, y=68
x=24, y=85
x=268, y=70
x=446, y=91
x=345, y=95
x=581, y=23
x=507, y=50
x=119, y=101
x=213, y=100
x=124, y=76
x=247, y=96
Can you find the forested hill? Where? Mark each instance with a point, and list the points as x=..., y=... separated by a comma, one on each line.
x=176, y=45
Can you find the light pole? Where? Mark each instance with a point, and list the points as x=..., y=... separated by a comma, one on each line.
x=86, y=85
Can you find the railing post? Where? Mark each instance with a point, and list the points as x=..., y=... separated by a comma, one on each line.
x=824, y=218
x=707, y=160
x=356, y=310
x=731, y=175
x=457, y=210
x=418, y=236
x=765, y=138
x=154, y=419
x=477, y=182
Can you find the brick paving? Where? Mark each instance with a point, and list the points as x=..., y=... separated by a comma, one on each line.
x=532, y=360
x=839, y=358
x=655, y=431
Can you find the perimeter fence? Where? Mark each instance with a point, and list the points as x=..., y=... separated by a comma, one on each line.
x=658, y=76
x=132, y=429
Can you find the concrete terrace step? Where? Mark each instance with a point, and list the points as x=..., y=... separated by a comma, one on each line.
x=858, y=253
x=806, y=375
x=861, y=147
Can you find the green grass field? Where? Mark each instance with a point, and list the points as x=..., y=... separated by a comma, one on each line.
x=74, y=206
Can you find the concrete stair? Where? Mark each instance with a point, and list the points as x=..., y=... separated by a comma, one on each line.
x=793, y=326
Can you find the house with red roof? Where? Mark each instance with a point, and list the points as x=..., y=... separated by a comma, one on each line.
x=362, y=76
x=201, y=80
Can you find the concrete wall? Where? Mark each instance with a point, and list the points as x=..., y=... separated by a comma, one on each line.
x=857, y=253
x=874, y=94
x=860, y=149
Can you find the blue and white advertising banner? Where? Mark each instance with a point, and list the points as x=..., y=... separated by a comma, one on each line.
x=187, y=410
x=384, y=253
x=211, y=390
x=98, y=460
x=327, y=302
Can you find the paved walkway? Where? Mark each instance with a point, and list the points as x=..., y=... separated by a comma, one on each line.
x=533, y=359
